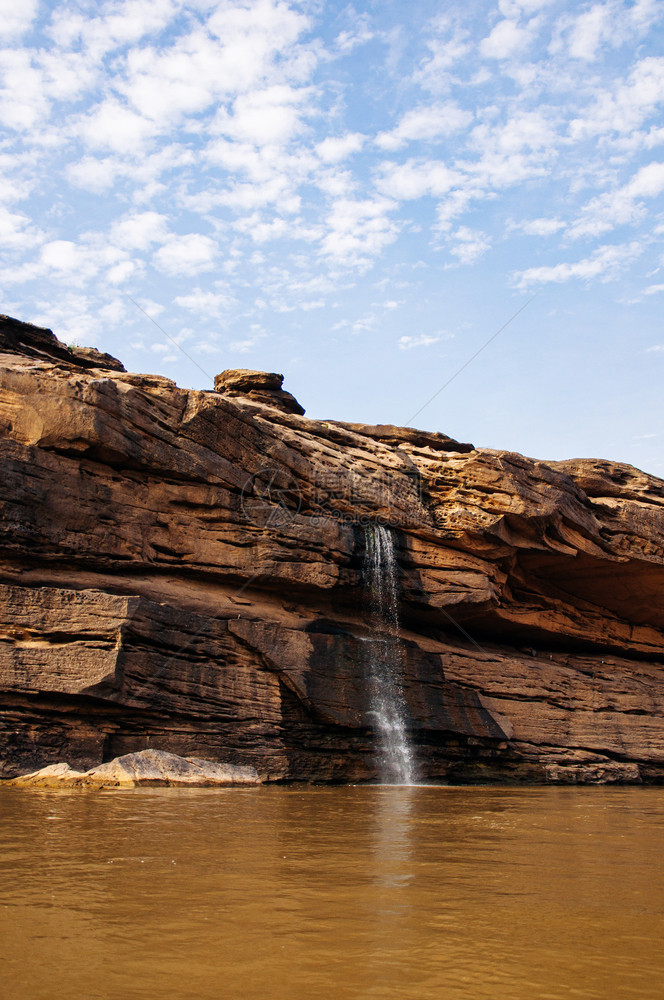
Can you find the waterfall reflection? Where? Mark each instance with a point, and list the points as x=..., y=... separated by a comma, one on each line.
x=393, y=851
x=391, y=929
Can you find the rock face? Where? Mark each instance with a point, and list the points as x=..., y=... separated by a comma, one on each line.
x=184, y=570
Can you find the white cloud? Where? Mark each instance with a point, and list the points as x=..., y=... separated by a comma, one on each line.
x=336, y=183
x=604, y=263
x=630, y=104
x=515, y=8
x=115, y=127
x=127, y=22
x=359, y=326
x=245, y=120
x=513, y=151
x=358, y=34
x=17, y=231
x=16, y=18
x=426, y=122
x=333, y=149
x=416, y=179
x=23, y=101
x=62, y=255
x=93, y=174
x=205, y=303
x=647, y=182
x=265, y=117
x=456, y=203
x=253, y=33
x=469, y=244
x=621, y=206
x=657, y=347
x=71, y=316
x=506, y=39
x=166, y=84
x=120, y=273
x=17, y=176
x=277, y=190
x=423, y=340
x=238, y=48
x=186, y=255
x=261, y=230
x=140, y=230
x=249, y=343
x=589, y=30
x=541, y=227
x=357, y=231
x=612, y=23
x=524, y=130
x=142, y=170
x=448, y=46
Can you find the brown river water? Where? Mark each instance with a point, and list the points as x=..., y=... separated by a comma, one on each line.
x=301, y=893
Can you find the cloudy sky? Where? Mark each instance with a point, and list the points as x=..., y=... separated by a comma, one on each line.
x=357, y=195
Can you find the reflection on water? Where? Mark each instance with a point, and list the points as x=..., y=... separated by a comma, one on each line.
x=372, y=892
x=393, y=856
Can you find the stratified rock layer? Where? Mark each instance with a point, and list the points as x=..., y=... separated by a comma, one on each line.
x=183, y=570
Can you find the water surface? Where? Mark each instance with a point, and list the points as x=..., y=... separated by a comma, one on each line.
x=298, y=894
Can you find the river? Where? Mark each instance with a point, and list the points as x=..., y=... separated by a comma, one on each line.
x=291, y=893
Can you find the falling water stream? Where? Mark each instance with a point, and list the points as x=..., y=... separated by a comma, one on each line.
x=385, y=665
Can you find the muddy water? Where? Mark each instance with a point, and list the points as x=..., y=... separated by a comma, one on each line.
x=282, y=894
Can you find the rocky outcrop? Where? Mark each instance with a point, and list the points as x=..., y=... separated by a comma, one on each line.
x=136, y=770
x=184, y=570
x=36, y=342
x=261, y=387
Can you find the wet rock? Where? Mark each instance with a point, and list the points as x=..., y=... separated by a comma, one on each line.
x=134, y=770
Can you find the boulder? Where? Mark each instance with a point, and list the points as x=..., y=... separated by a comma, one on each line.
x=258, y=387
x=242, y=380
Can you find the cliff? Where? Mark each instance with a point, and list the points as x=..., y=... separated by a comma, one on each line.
x=185, y=571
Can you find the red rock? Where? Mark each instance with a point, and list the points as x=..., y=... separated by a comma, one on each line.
x=166, y=584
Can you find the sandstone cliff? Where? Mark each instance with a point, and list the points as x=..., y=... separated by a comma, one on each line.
x=183, y=570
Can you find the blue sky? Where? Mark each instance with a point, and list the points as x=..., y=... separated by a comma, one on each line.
x=358, y=196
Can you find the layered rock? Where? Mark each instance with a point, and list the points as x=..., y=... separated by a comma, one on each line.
x=184, y=570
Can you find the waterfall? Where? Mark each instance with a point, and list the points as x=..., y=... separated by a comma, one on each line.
x=385, y=666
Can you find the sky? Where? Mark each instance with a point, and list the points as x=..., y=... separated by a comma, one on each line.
x=360, y=196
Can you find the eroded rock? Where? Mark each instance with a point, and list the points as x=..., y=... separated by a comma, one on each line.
x=145, y=768
x=259, y=387
x=183, y=571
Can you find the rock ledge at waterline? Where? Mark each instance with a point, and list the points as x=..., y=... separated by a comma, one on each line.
x=136, y=770
x=183, y=570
